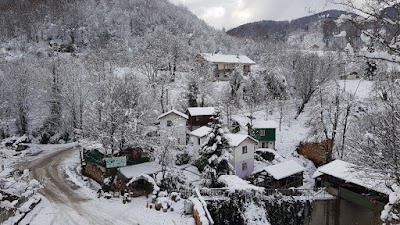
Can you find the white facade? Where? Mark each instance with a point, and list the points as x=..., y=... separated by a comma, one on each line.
x=196, y=143
x=173, y=125
x=243, y=148
x=197, y=139
x=237, y=152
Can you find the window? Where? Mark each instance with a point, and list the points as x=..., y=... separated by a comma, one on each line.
x=244, y=149
x=263, y=145
x=246, y=68
x=262, y=133
x=169, y=123
x=198, y=141
x=244, y=166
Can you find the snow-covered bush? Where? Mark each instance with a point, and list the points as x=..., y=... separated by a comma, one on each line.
x=182, y=158
x=173, y=180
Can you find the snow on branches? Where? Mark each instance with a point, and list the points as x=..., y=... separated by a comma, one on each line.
x=215, y=154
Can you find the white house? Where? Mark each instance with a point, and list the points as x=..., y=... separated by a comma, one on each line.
x=173, y=124
x=197, y=138
x=225, y=64
x=243, y=147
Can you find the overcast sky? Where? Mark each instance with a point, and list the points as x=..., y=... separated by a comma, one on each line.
x=232, y=13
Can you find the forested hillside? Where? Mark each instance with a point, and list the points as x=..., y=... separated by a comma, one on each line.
x=121, y=27
x=98, y=68
x=322, y=25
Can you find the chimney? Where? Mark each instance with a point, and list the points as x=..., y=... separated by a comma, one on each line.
x=237, y=56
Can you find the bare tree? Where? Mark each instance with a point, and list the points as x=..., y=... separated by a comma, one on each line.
x=235, y=82
x=310, y=72
x=331, y=118
x=378, y=22
x=255, y=95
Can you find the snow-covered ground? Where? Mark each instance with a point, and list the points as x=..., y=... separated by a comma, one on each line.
x=84, y=207
x=73, y=198
x=69, y=198
x=292, y=132
x=107, y=211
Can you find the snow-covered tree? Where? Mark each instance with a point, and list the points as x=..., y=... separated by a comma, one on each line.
x=115, y=110
x=192, y=92
x=310, y=72
x=331, y=117
x=378, y=23
x=375, y=137
x=255, y=95
x=215, y=154
x=378, y=143
x=235, y=82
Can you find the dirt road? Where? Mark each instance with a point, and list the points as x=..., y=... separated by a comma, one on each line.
x=56, y=188
x=68, y=206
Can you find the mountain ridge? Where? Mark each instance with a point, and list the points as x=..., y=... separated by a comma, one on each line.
x=278, y=30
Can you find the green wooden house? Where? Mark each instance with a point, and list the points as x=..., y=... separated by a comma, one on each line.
x=96, y=163
x=265, y=133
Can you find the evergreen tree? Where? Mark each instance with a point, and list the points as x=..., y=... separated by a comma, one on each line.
x=215, y=154
x=370, y=70
x=192, y=93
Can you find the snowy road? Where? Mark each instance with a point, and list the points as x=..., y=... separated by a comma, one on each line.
x=66, y=203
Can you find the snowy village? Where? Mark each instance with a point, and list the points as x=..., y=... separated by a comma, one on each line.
x=175, y=112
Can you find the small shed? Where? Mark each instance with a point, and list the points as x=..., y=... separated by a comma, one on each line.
x=199, y=116
x=352, y=183
x=136, y=177
x=283, y=175
x=98, y=164
x=92, y=159
x=149, y=168
x=141, y=185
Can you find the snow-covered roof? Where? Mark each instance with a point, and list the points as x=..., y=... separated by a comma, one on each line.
x=346, y=171
x=282, y=170
x=140, y=169
x=236, y=183
x=236, y=139
x=201, y=111
x=262, y=124
x=91, y=146
x=201, y=132
x=175, y=112
x=144, y=177
x=220, y=58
